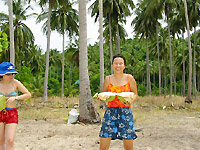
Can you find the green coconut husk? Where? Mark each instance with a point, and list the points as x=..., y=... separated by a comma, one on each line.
x=2, y=102
x=110, y=99
x=107, y=100
x=95, y=96
x=122, y=99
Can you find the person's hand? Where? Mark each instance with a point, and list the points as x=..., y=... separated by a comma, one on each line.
x=101, y=100
x=130, y=100
x=127, y=103
x=10, y=100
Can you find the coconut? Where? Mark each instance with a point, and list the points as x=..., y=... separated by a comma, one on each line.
x=105, y=96
x=124, y=97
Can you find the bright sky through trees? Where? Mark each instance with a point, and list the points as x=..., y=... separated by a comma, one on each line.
x=56, y=39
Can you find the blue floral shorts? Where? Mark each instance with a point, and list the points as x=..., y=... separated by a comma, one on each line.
x=118, y=124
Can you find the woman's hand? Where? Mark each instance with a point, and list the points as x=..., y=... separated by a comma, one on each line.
x=100, y=100
x=126, y=103
x=10, y=100
x=131, y=100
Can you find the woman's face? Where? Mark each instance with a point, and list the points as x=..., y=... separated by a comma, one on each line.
x=8, y=76
x=118, y=65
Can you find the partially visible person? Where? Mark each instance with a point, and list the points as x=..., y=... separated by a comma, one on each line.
x=9, y=116
x=118, y=119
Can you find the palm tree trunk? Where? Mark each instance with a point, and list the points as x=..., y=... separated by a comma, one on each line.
x=101, y=48
x=111, y=50
x=198, y=83
x=159, y=68
x=183, y=76
x=148, y=70
x=170, y=49
x=101, y=44
x=45, y=97
x=174, y=80
x=190, y=55
x=87, y=110
x=118, y=40
x=63, y=66
x=173, y=66
x=11, y=29
x=194, y=67
x=165, y=74
x=154, y=77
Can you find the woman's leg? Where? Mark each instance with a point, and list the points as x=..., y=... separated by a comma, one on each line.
x=128, y=144
x=10, y=131
x=104, y=143
x=2, y=137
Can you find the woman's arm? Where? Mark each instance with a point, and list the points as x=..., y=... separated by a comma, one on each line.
x=26, y=94
x=105, y=87
x=105, y=84
x=133, y=87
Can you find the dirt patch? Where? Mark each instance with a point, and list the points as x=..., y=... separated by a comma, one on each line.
x=161, y=130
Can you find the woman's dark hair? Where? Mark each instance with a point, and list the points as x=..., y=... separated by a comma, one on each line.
x=1, y=77
x=119, y=55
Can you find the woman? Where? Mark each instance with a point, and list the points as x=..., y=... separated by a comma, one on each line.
x=118, y=119
x=9, y=116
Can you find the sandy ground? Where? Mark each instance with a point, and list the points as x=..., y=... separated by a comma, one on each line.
x=166, y=131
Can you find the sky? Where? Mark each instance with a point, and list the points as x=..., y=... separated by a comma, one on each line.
x=56, y=39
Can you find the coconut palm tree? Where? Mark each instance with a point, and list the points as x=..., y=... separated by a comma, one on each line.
x=11, y=29
x=42, y=3
x=169, y=5
x=155, y=8
x=64, y=20
x=101, y=47
x=51, y=4
x=145, y=26
x=176, y=26
x=180, y=23
x=114, y=11
x=188, y=98
x=66, y=23
x=194, y=9
x=23, y=36
x=164, y=53
x=87, y=110
x=125, y=10
x=101, y=44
